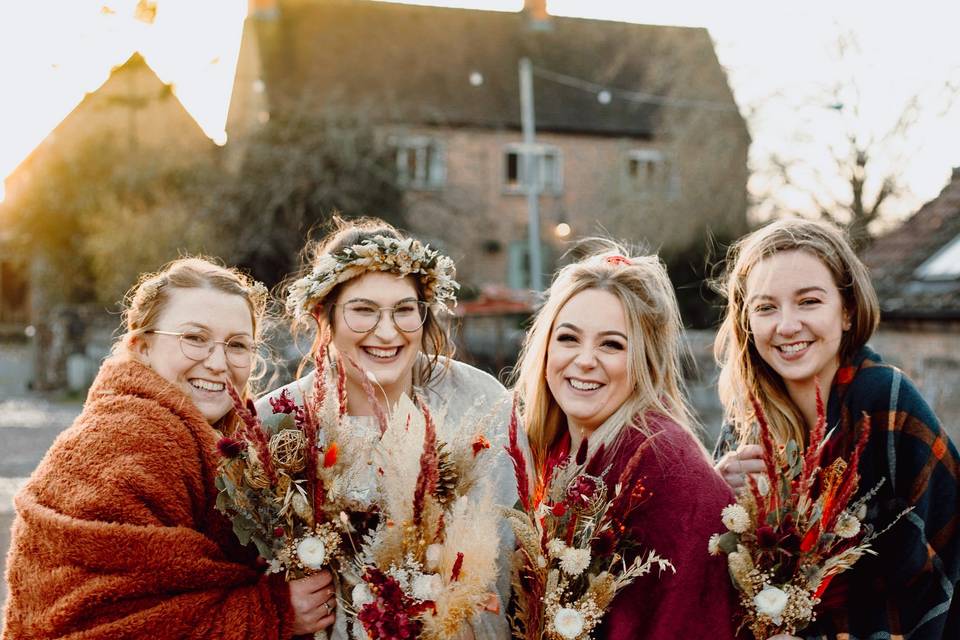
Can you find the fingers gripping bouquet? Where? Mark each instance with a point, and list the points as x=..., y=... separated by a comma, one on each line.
x=794, y=529
x=575, y=552
x=428, y=567
x=278, y=485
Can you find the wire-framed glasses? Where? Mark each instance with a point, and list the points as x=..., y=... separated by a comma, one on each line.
x=362, y=316
x=198, y=346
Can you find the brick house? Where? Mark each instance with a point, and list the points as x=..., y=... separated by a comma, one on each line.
x=916, y=270
x=638, y=134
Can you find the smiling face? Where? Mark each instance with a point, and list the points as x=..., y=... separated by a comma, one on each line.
x=384, y=351
x=796, y=318
x=216, y=315
x=587, y=359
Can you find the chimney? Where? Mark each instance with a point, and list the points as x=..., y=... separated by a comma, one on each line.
x=537, y=17
x=264, y=9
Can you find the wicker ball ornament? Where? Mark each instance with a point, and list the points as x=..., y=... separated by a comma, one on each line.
x=288, y=448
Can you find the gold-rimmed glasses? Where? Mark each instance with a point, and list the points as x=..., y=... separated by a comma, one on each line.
x=363, y=316
x=198, y=346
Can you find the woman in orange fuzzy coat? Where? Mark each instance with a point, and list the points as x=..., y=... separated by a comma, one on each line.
x=116, y=534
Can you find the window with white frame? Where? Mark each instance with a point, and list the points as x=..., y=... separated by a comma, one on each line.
x=547, y=169
x=648, y=172
x=421, y=162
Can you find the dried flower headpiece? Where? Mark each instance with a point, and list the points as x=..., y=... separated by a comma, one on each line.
x=379, y=253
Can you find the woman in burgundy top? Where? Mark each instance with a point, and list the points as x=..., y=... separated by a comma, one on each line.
x=602, y=364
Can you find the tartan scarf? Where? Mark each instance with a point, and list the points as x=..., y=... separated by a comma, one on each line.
x=907, y=589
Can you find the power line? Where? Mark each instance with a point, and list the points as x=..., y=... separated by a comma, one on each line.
x=629, y=96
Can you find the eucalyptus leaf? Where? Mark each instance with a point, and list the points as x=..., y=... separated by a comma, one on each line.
x=728, y=542
x=242, y=531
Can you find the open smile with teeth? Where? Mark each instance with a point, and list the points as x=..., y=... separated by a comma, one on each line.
x=206, y=385
x=581, y=385
x=381, y=353
x=793, y=348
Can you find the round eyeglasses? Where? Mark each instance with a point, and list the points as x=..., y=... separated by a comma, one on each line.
x=198, y=346
x=361, y=316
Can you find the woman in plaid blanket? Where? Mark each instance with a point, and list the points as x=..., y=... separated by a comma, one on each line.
x=801, y=308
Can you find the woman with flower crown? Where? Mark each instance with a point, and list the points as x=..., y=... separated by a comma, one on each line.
x=800, y=309
x=601, y=369
x=381, y=298
x=116, y=534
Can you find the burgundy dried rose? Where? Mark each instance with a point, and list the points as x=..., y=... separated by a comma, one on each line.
x=582, y=490
x=392, y=615
x=231, y=447
x=766, y=536
x=284, y=403
x=604, y=543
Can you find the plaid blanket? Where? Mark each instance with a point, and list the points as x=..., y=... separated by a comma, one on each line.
x=907, y=589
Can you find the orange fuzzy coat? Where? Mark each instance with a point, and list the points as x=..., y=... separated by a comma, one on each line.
x=116, y=535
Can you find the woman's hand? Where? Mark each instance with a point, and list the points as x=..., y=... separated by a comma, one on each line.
x=735, y=465
x=314, y=602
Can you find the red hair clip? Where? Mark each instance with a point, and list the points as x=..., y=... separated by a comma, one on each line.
x=617, y=260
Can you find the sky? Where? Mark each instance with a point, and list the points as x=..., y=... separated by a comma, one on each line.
x=777, y=56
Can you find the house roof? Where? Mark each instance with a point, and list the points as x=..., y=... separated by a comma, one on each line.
x=413, y=64
x=910, y=284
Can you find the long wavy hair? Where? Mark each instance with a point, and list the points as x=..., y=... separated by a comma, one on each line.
x=743, y=373
x=655, y=346
x=343, y=233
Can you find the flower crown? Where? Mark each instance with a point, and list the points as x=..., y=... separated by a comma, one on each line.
x=379, y=253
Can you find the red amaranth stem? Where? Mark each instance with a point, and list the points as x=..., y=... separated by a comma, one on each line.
x=254, y=433
x=813, y=454
x=769, y=455
x=311, y=425
x=519, y=461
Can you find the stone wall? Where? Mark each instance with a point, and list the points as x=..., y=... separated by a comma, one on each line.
x=929, y=353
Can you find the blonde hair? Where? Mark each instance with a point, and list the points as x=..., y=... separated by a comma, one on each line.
x=436, y=340
x=654, y=346
x=146, y=301
x=743, y=372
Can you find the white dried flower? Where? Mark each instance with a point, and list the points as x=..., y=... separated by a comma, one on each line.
x=763, y=485
x=312, y=552
x=735, y=518
x=569, y=622
x=427, y=586
x=541, y=562
x=556, y=547
x=713, y=545
x=274, y=566
x=361, y=595
x=847, y=526
x=574, y=561
x=771, y=602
